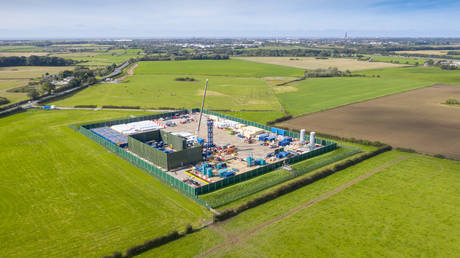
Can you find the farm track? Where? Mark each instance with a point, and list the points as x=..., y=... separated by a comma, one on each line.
x=233, y=240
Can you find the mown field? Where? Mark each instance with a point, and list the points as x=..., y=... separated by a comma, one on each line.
x=62, y=194
x=312, y=63
x=407, y=208
x=154, y=84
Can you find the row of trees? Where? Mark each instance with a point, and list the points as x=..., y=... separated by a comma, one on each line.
x=34, y=61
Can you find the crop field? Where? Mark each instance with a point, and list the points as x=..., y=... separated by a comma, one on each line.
x=61, y=194
x=312, y=63
x=406, y=207
x=232, y=67
x=414, y=119
x=424, y=52
x=154, y=84
x=5, y=54
x=427, y=75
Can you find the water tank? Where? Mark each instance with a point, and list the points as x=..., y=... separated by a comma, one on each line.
x=312, y=140
x=302, y=137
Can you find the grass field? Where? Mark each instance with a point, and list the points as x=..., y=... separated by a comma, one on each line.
x=405, y=209
x=312, y=63
x=427, y=75
x=164, y=91
x=232, y=67
x=259, y=117
x=62, y=194
x=154, y=85
x=314, y=95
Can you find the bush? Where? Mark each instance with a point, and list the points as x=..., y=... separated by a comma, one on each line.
x=279, y=120
x=452, y=102
x=188, y=229
x=406, y=150
x=122, y=107
x=185, y=79
x=85, y=106
x=149, y=244
x=4, y=101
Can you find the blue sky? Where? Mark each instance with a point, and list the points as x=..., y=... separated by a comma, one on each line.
x=26, y=19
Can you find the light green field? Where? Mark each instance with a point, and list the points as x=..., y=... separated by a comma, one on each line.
x=232, y=67
x=63, y=195
x=318, y=94
x=406, y=209
x=164, y=91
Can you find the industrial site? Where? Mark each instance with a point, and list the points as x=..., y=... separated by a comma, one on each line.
x=199, y=149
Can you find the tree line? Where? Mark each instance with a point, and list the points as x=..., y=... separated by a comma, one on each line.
x=34, y=61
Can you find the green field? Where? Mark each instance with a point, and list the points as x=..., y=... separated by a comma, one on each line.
x=155, y=91
x=154, y=85
x=62, y=194
x=232, y=67
x=318, y=94
x=406, y=209
x=259, y=117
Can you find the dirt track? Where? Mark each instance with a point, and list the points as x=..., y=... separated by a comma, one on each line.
x=413, y=119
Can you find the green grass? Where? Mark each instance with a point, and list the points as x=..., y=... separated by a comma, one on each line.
x=232, y=67
x=318, y=94
x=407, y=209
x=164, y=91
x=62, y=194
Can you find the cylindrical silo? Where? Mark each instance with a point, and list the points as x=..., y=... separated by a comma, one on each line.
x=302, y=137
x=312, y=140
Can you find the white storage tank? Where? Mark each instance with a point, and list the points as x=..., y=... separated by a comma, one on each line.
x=302, y=137
x=312, y=140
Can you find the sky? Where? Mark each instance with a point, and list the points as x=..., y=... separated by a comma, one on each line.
x=78, y=19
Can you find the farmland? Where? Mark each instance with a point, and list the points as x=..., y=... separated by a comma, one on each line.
x=413, y=214
x=402, y=120
x=318, y=94
x=103, y=58
x=63, y=195
x=314, y=63
x=154, y=84
x=16, y=76
x=398, y=59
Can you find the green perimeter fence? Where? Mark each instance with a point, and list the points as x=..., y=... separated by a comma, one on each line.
x=182, y=187
x=246, y=191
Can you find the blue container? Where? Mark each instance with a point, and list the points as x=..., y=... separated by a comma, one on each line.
x=47, y=107
x=209, y=172
x=200, y=140
x=271, y=138
x=281, y=132
x=274, y=130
